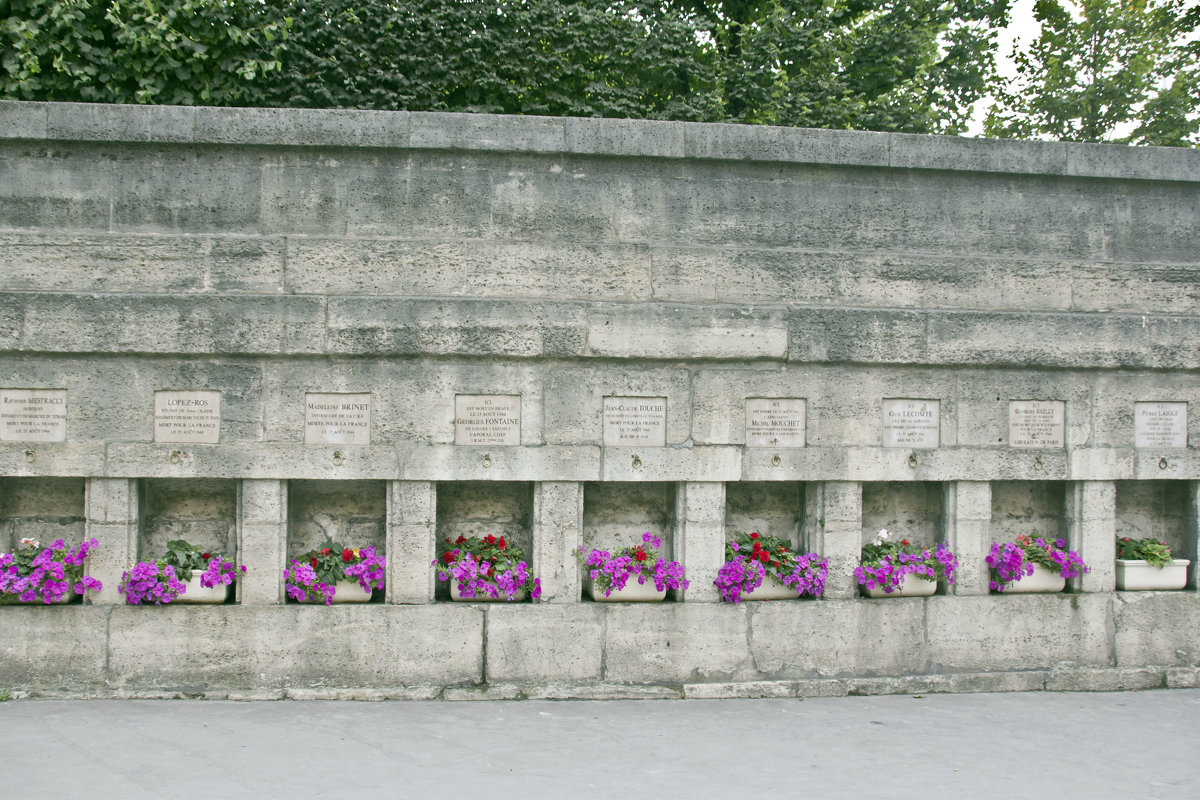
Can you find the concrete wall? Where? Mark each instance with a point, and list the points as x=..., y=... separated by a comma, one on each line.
x=267, y=254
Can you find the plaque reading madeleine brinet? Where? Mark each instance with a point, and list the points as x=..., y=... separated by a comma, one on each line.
x=337, y=419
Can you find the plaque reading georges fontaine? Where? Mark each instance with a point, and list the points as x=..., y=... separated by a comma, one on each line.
x=187, y=417
x=337, y=418
x=632, y=421
x=487, y=419
x=33, y=415
x=775, y=422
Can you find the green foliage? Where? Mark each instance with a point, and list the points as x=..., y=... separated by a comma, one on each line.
x=1106, y=71
x=1152, y=551
x=330, y=560
x=185, y=558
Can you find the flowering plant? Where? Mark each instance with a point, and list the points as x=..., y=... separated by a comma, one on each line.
x=1151, y=551
x=318, y=571
x=611, y=571
x=159, y=582
x=487, y=566
x=32, y=573
x=750, y=557
x=1011, y=561
x=885, y=563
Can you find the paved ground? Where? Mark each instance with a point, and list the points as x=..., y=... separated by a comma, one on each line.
x=1139, y=745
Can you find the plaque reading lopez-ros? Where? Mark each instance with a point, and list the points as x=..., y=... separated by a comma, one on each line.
x=337, y=419
x=192, y=417
x=634, y=421
x=775, y=422
x=33, y=415
x=1037, y=424
x=1157, y=425
x=487, y=419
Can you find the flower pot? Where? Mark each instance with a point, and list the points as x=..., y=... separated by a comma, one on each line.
x=195, y=593
x=633, y=592
x=1135, y=575
x=69, y=596
x=771, y=589
x=1042, y=581
x=347, y=592
x=911, y=586
x=480, y=597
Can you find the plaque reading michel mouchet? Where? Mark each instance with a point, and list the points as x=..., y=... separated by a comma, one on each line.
x=775, y=422
x=337, y=418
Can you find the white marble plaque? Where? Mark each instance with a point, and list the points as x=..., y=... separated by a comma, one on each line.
x=1160, y=424
x=33, y=415
x=187, y=417
x=633, y=421
x=775, y=422
x=1036, y=423
x=337, y=418
x=912, y=423
x=487, y=419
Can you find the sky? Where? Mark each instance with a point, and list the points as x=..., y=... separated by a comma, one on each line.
x=1022, y=27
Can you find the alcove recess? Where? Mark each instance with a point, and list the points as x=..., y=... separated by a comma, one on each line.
x=615, y=515
x=1154, y=510
x=483, y=508
x=350, y=513
x=44, y=509
x=774, y=508
x=201, y=511
x=910, y=510
x=1036, y=508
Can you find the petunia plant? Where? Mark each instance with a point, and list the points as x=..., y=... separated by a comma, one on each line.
x=887, y=561
x=316, y=574
x=1012, y=561
x=161, y=581
x=34, y=574
x=487, y=567
x=610, y=572
x=751, y=558
x=1152, y=551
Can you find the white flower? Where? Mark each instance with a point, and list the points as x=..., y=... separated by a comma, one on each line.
x=29, y=542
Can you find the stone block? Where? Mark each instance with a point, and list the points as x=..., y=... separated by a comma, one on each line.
x=957, y=153
x=574, y=404
x=676, y=332
x=1156, y=628
x=1105, y=680
x=22, y=120
x=676, y=643
x=262, y=535
x=411, y=534
x=853, y=335
x=52, y=647
x=700, y=537
x=1139, y=163
x=341, y=127
x=557, y=537
x=481, y=132
x=69, y=190
x=52, y=458
x=119, y=123
x=1091, y=530
x=544, y=644
x=653, y=138
x=671, y=464
x=744, y=275
x=452, y=462
x=172, y=190
x=796, y=145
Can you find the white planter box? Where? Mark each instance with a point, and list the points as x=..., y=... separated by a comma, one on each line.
x=480, y=597
x=69, y=596
x=195, y=593
x=633, y=592
x=1042, y=581
x=1138, y=576
x=771, y=589
x=347, y=592
x=912, y=586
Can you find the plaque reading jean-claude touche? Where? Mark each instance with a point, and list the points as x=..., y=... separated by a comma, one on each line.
x=1036, y=423
x=633, y=421
x=487, y=419
x=912, y=423
x=775, y=422
x=1160, y=424
x=337, y=418
x=193, y=417
x=33, y=415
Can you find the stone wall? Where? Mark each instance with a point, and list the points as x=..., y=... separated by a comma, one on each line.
x=908, y=298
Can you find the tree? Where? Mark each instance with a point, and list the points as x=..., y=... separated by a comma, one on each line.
x=1105, y=71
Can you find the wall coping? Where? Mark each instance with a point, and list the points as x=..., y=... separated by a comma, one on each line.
x=88, y=122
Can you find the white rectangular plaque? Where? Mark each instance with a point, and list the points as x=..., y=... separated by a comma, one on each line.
x=337, y=418
x=912, y=423
x=187, y=417
x=1160, y=424
x=33, y=415
x=775, y=422
x=633, y=421
x=487, y=419
x=1036, y=423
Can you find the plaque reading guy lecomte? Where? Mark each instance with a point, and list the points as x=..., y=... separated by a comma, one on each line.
x=912, y=423
x=487, y=419
x=187, y=417
x=337, y=418
x=775, y=422
x=633, y=421
x=33, y=415
x=1160, y=424
x=1036, y=423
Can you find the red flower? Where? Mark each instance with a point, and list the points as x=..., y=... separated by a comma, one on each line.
x=449, y=556
x=347, y=555
x=489, y=539
x=501, y=543
x=905, y=542
x=1125, y=539
x=754, y=535
x=314, y=562
x=757, y=547
x=459, y=540
x=206, y=556
x=639, y=555
x=325, y=551
x=774, y=563
x=764, y=556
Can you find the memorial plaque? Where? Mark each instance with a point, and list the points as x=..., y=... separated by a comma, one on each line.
x=632, y=421
x=337, y=418
x=775, y=422
x=187, y=417
x=912, y=423
x=1036, y=423
x=1160, y=424
x=33, y=415
x=487, y=419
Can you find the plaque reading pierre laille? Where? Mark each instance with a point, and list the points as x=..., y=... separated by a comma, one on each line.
x=633, y=421
x=1036, y=423
x=487, y=419
x=187, y=417
x=33, y=415
x=1160, y=424
x=912, y=423
x=337, y=418
x=775, y=422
